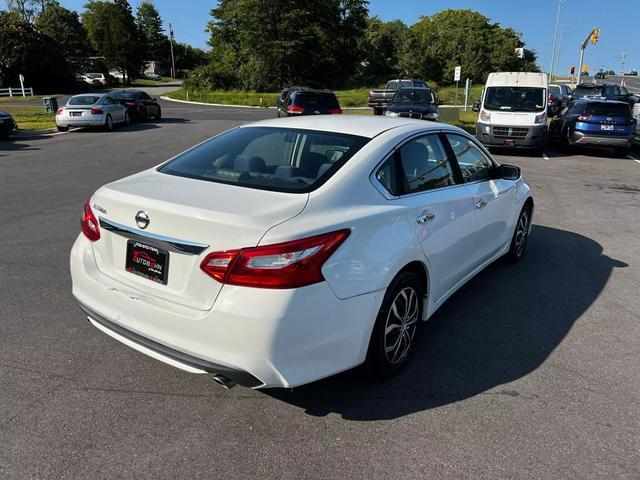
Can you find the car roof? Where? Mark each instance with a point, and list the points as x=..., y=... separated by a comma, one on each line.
x=359, y=125
x=90, y=95
x=600, y=100
x=310, y=90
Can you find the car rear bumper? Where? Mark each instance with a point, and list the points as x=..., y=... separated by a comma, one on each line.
x=256, y=337
x=517, y=136
x=80, y=122
x=580, y=138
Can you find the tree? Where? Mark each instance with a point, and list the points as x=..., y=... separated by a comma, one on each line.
x=23, y=50
x=64, y=27
x=114, y=35
x=188, y=57
x=150, y=26
x=382, y=44
x=27, y=10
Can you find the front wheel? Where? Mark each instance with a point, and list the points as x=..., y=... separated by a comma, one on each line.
x=159, y=114
x=396, y=324
x=520, y=236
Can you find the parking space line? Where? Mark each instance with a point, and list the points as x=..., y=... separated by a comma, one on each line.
x=545, y=156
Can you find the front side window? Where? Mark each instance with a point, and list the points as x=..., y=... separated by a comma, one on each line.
x=279, y=159
x=425, y=164
x=474, y=164
x=515, y=99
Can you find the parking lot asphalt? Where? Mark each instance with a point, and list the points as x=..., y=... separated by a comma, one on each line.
x=530, y=371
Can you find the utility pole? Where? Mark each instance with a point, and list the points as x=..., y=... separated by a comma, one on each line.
x=555, y=37
x=593, y=37
x=624, y=58
x=173, y=60
x=558, y=50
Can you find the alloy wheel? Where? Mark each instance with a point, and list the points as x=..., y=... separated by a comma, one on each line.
x=522, y=231
x=400, y=325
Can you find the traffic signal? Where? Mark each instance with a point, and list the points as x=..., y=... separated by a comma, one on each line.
x=595, y=35
x=573, y=69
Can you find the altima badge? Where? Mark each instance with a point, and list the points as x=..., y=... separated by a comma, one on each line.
x=142, y=219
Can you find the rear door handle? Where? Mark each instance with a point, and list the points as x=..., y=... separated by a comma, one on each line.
x=425, y=217
x=481, y=204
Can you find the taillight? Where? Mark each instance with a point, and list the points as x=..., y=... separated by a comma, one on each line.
x=582, y=118
x=370, y=96
x=59, y=111
x=295, y=109
x=89, y=224
x=283, y=265
x=335, y=111
x=130, y=104
x=96, y=111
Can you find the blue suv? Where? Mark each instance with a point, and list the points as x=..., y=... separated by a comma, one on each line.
x=597, y=123
x=607, y=91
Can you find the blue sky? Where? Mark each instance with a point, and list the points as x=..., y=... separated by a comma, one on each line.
x=617, y=20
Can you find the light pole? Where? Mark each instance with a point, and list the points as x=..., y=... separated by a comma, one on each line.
x=173, y=60
x=624, y=57
x=555, y=37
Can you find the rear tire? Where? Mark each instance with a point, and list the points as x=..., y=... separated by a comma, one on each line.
x=62, y=129
x=396, y=325
x=520, y=236
x=127, y=119
x=108, y=123
x=378, y=111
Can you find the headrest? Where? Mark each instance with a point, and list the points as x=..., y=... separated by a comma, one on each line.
x=247, y=163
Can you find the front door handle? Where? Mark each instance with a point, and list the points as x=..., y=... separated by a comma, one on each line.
x=425, y=217
x=481, y=204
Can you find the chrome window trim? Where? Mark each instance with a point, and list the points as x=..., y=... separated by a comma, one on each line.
x=168, y=243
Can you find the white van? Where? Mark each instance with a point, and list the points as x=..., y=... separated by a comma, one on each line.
x=513, y=110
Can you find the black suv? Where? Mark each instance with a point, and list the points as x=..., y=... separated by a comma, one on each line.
x=296, y=101
x=608, y=91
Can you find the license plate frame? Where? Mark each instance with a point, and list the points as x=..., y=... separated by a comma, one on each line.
x=147, y=261
x=75, y=114
x=606, y=128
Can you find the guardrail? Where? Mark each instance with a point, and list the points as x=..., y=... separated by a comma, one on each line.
x=15, y=92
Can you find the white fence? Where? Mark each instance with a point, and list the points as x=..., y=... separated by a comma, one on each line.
x=15, y=92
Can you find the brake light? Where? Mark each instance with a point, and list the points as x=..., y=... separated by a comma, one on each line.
x=335, y=111
x=295, y=109
x=89, y=224
x=283, y=265
x=370, y=96
x=582, y=118
x=59, y=111
x=96, y=111
x=130, y=104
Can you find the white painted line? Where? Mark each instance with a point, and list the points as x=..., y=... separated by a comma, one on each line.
x=637, y=161
x=544, y=155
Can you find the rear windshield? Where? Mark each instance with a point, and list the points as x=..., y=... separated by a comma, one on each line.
x=279, y=159
x=84, y=100
x=555, y=90
x=515, y=99
x=587, y=91
x=608, y=109
x=316, y=101
x=410, y=95
x=124, y=95
x=396, y=84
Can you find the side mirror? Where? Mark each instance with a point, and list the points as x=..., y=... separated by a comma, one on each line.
x=476, y=106
x=509, y=172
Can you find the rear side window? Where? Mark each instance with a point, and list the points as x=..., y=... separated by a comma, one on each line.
x=316, y=101
x=279, y=159
x=425, y=164
x=608, y=109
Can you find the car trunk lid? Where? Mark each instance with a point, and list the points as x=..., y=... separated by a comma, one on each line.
x=187, y=218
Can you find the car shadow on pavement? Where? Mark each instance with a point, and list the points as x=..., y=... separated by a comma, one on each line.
x=498, y=328
x=13, y=144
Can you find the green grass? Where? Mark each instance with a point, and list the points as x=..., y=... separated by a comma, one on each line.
x=31, y=118
x=447, y=94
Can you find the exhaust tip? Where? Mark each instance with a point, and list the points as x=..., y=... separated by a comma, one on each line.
x=224, y=381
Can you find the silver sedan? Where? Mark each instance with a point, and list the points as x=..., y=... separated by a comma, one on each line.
x=91, y=110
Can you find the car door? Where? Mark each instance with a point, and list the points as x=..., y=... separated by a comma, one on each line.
x=494, y=199
x=439, y=209
x=115, y=109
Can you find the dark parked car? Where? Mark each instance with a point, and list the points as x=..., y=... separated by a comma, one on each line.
x=418, y=103
x=597, y=123
x=139, y=104
x=379, y=99
x=558, y=98
x=296, y=101
x=7, y=125
x=608, y=91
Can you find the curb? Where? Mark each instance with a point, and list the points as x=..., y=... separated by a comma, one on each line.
x=169, y=99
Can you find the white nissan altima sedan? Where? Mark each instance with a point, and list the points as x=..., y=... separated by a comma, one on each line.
x=285, y=251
